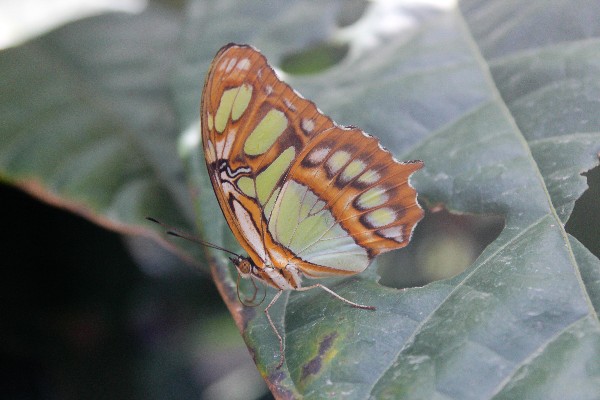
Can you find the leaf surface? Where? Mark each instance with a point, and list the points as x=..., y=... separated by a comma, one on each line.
x=499, y=99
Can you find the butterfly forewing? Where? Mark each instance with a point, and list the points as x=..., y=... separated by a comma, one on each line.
x=249, y=131
x=297, y=189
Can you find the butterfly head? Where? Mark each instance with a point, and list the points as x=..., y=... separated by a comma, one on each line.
x=247, y=269
x=244, y=265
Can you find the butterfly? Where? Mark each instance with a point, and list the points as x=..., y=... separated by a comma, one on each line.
x=304, y=196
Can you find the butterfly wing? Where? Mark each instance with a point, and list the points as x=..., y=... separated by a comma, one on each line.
x=349, y=199
x=295, y=188
x=250, y=139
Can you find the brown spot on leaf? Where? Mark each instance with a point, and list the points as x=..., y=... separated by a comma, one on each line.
x=314, y=365
x=326, y=343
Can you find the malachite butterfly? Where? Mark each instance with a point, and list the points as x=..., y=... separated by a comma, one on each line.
x=303, y=195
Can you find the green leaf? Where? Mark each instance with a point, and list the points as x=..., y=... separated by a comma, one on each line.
x=499, y=99
x=88, y=121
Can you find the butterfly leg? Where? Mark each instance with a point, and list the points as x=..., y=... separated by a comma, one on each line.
x=281, y=353
x=334, y=294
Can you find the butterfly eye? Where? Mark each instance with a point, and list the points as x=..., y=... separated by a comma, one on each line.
x=244, y=267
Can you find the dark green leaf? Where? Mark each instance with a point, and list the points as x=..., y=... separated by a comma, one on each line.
x=428, y=93
x=499, y=99
x=88, y=121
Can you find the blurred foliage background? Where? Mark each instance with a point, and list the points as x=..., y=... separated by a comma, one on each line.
x=87, y=313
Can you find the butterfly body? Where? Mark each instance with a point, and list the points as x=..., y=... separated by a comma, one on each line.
x=303, y=195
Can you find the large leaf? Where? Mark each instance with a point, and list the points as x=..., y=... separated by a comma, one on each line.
x=434, y=93
x=498, y=102
x=88, y=121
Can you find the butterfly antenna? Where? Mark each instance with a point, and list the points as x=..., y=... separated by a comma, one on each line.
x=177, y=233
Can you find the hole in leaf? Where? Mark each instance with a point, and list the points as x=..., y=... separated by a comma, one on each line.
x=584, y=222
x=443, y=245
x=316, y=58
x=351, y=12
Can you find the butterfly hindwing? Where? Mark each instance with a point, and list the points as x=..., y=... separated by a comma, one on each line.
x=353, y=202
